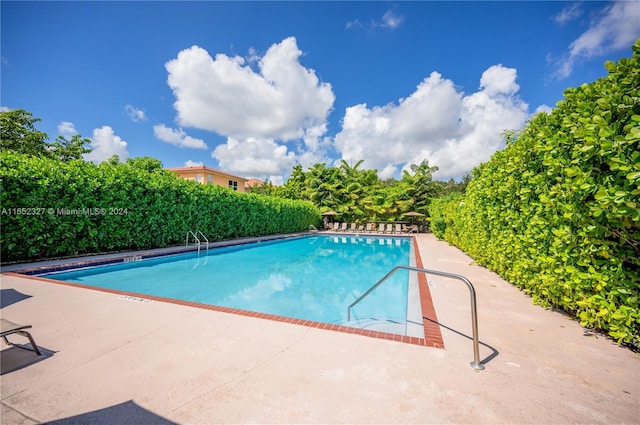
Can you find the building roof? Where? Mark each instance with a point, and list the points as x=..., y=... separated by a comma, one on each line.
x=204, y=168
x=254, y=182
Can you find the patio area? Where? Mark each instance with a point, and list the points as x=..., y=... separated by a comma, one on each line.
x=117, y=360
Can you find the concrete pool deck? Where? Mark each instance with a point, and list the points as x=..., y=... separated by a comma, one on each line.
x=109, y=359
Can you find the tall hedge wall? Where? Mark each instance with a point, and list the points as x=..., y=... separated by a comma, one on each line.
x=557, y=212
x=52, y=208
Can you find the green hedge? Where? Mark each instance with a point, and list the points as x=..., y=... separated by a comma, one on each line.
x=557, y=212
x=79, y=207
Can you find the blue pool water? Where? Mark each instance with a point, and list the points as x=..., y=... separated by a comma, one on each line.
x=311, y=278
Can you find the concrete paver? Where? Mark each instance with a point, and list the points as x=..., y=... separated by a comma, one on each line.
x=109, y=359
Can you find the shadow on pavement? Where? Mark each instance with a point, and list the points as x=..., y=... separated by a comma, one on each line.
x=124, y=413
x=494, y=352
x=11, y=296
x=16, y=358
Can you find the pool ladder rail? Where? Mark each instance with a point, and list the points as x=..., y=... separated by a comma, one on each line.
x=476, y=363
x=196, y=239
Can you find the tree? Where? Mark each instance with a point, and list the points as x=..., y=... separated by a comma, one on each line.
x=452, y=186
x=294, y=187
x=146, y=163
x=69, y=150
x=112, y=160
x=18, y=133
x=268, y=189
x=360, y=195
x=420, y=185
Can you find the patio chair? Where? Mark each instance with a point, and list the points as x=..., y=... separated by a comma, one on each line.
x=369, y=228
x=397, y=228
x=353, y=227
x=336, y=226
x=7, y=328
x=413, y=229
x=389, y=228
x=343, y=227
x=361, y=228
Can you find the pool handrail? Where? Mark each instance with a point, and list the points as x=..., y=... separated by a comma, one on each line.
x=476, y=363
x=206, y=241
x=196, y=240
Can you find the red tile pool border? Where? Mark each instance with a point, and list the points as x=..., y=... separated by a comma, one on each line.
x=432, y=332
x=433, y=336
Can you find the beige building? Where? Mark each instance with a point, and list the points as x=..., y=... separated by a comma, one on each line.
x=206, y=175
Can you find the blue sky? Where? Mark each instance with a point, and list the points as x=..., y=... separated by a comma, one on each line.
x=254, y=88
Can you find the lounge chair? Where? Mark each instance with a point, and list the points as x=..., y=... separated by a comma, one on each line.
x=389, y=228
x=343, y=227
x=361, y=228
x=353, y=227
x=369, y=227
x=397, y=228
x=336, y=226
x=7, y=328
x=413, y=229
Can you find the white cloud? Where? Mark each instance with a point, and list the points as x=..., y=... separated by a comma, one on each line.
x=274, y=112
x=105, y=144
x=389, y=171
x=391, y=20
x=498, y=79
x=67, y=129
x=569, y=13
x=543, y=108
x=4, y=109
x=278, y=101
x=190, y=163
x=353, y=24
x=135, y=114
x=436, y=122
x=255, y=157
x=177, y=137
x=615, y=28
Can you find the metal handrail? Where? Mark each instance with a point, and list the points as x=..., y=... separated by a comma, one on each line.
x=205, y=238
x=313, y=229
x=186, y=243
x=476, y=364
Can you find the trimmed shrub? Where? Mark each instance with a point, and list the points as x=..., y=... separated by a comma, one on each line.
x=557, y=212
x=54, y=209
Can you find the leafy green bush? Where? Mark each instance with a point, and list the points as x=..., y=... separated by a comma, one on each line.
x=52, y=208
x=557, y=212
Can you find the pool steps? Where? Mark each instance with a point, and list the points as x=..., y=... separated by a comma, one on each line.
x=196, y=239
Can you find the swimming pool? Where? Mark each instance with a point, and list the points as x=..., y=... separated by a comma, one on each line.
x=312, y=278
